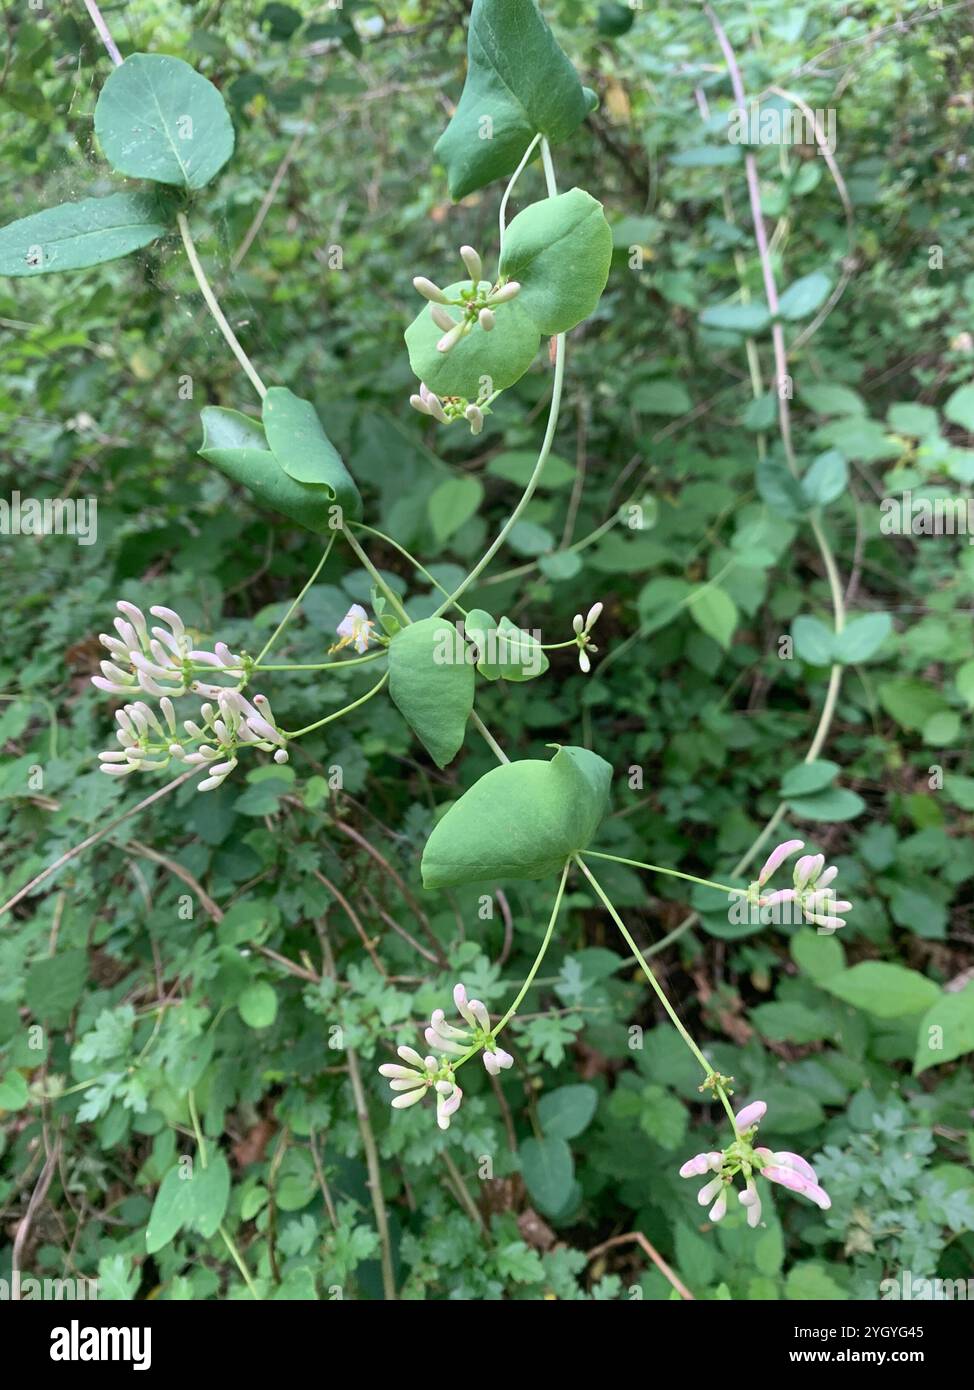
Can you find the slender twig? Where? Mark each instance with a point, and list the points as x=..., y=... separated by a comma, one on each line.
x=650, y=1250
x=102, y=30
x=213, y=305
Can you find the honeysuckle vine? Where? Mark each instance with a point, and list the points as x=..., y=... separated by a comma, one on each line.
x=469, y=342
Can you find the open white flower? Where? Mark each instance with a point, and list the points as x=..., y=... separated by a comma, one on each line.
x=355, y=629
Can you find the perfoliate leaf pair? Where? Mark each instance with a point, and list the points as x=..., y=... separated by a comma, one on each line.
x=521, y=820
x=559, y=251
x=289, y=464
x=519, y=83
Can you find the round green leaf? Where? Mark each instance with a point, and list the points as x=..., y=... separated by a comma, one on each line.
x=548, y=1170
x=883, y=988
x=502, y=356
x=452, y=504
x=946, y=1030
x=431, y=681
x=518, y=82
x=521, y=820
x=158, y=119
x=75, y=235
x=297, y=440
x=559, y=250
x=564, y=1112
x=257, y=1005
x=237, y=446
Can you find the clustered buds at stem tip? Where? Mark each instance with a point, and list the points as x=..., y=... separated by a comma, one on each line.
x=455, y=1045
x=582, y=628
x=784, y=1168
x=812, y=890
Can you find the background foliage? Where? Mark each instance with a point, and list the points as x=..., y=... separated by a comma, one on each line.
x=244, y=954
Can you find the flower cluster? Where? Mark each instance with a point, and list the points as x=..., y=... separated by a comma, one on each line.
x=446, y=409
x=478, y=303
x=162, y=664
x=161, y=661
x=582, y=638
x=455, y=1045
x=812, y=890
x=740, y=1157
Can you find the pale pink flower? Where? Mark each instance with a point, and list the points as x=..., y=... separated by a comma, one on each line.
x=752, y=1114
x=777, y=857
x=355, y=628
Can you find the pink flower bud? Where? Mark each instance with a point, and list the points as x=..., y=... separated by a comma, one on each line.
x=777, y=857
x=752, y=1114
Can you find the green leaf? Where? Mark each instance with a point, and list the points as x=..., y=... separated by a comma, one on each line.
x=790, y=1022
x=303, y=451
x=564, y=1112
x=519, y=82
x=826, y=479
x=959, y=408
x=520, y=820
x=452, y=504
x=817, y=953
x=713, y=610
x=804, y=778
x=833, y=804
x=548, y=1171
x=911, y=702
x=829, y=398
x=499, y=357
x=883, y=989
x=559, y=250
x=158, y=119
x=738, y=318
x=237, y=446
x=505, y=650
x=517, y=465
x=862, y=638
x=75, y=235
x=804, y=296
x=13, y=1091
x=810, y=1281
x=946, y=1030
x=660, y=398
x=193, y=1199
x=431, y=681
x=257, y=1005
x=813, y=640
x=54, y=985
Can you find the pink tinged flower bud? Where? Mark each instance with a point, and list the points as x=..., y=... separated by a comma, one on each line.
x=594, y=613
x=808, y=869
x=448, y=1098
x=281, y=756
x=428, y=290
x=719, y=1209
x=112, y=757
x=446, y=1030
x=785, y=1159
x=473, y=263
x=786, y=1177
x=699, y=1164
x=505, y=294
x=584, y=662
x=409, y=1054
x=475, y=416
x=402, y=1084
x=136, y=617
x=827, y=875
x=827, y=924
x=116, y=771
x=169, y=616
x=442, y=319
x=709, y=1191
x=419, y=404
x=409, y=1098
x=486, y=320
x=777, y=857
x=497, y=1061
x=752, y=1203
x=752, y=1114
x=463, y=1005
x=397, y=1072
x=128, y=634
x=578, y=624
x=442, y=1044
x=482, y=1017
x=781, y=895
x=450, y=340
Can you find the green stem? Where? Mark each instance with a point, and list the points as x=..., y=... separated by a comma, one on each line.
x=213, y=305
x=390, y=593
x=290, y=612
x=547, y=442
x=501, y=215
x=674, y=873
x=322, y=665
x=197, y=1130
x=238, y=1260
x=420, y=569
x=546, y=942
x=488, y=737
x=330, y=718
